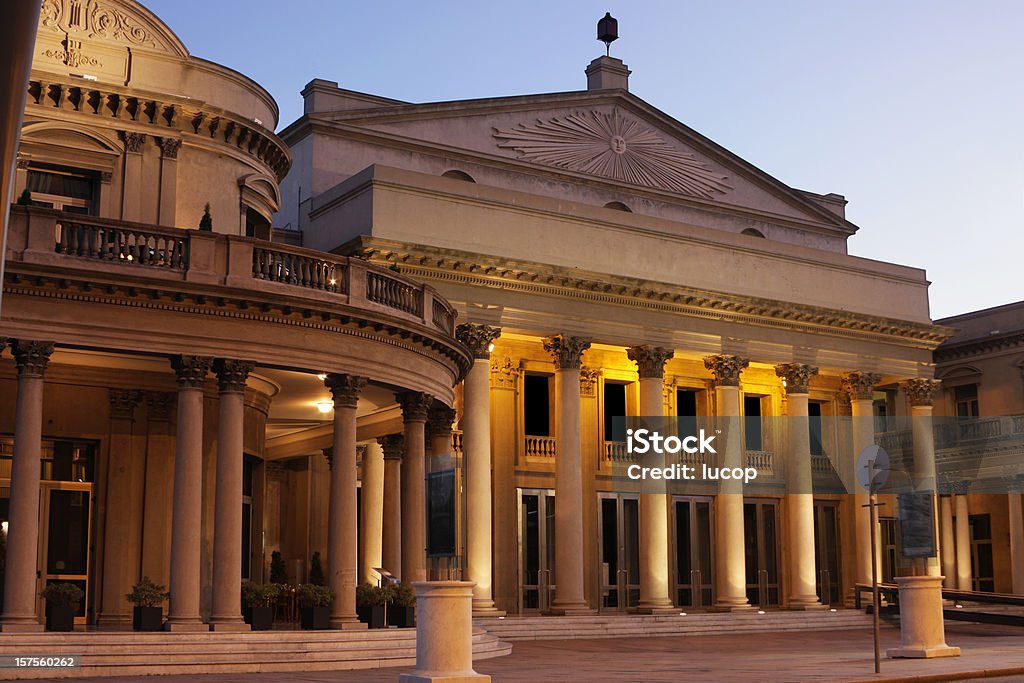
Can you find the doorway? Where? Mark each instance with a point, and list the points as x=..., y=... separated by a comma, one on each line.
x=826, y=551
x=761, y=540
x=620, y=551
x=65, y=513
x=693, y=551
x=536, y=549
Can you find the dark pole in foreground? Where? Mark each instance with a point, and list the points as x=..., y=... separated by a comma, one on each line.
x=873, y=508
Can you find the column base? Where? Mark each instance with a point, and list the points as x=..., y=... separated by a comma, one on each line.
x=113, y=620
x=348, y=624
x=230, y=626
x=186, y=627
x=731, y=607
x=491, y=613
x=922, y=653
x=571, y=610
x=471, y=677
x=22, y=627
x=660, y=608
x=803, y=604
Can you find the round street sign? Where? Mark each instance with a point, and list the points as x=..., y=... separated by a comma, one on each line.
x=872, y=467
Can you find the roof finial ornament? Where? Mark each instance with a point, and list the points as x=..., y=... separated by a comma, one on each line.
x=608, y=32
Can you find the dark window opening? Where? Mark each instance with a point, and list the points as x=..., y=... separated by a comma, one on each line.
x=458, y=175
x=752, y=423
x=814, y=426
x=614, y=406
x=966, y=398
x=618, y=206
x=686, y=411
x=536, y=405
x=65, y=189
x=751, y=232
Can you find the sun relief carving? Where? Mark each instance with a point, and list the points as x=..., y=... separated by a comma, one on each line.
x=613, y=146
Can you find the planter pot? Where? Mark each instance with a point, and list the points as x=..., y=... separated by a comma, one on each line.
x=60, y=618
x=372, y=616
x=259, y=618
x=402, y=617
x=148, y=618
x=316, y=618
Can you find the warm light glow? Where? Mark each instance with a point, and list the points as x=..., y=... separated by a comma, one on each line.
x=682, y=614
x=322, y=376
x=325, y=406
x=783, y=382
x=333, y=282
x=3, y=527
x=760, y=611
x=490, y=347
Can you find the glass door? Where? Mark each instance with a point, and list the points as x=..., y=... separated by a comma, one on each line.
x=65, y=513
x=761, y=538
x=536, y=549
x=693, y=552
x=620, y=551
x=826, y=550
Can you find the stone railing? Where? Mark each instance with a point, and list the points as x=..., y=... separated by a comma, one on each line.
x=763, y=461
x=615, y=451
x=542, y=447
x=983, y=428
x=821, y=464
x=112, y=248
x=457, y=441
x=691, y=459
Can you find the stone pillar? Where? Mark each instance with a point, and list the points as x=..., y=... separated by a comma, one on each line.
x=159, y=487
x=119, y=569
x=391, y=533
x=131, y=183
x=654, y=560
x=370, y=534
x=444, y=634
x=922, y=393
x=569, y=597
x=860, y=386
x=167, y=204
x=342, y=520
x=730, y=552
x=20, y=583
x=1016, y=516
x=922, y=631
x=476, y=463
x=946, y=541
x=963, y=538
x=439, y=431
x=187, y=516
x=799, y=482
x=414, y=530
x=227, y=517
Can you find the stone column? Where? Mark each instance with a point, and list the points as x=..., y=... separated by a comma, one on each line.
x=963, y=538
x=439, y=430
x=187, y=516
x=922, y=393
x=131, y=183
x=444, y=634
x=1016, y=516
x=860, y=386
x=654, y=560
x=342, y=524
x=393, y=446
x=167, y=205
x=730, y=552
x=119, y=569
x=476, y=463
x=922, y=631
x=569, y=597
x=20, y=583
x=159, y=487
x=370, y=534
x=946, y=542
x=414, y=531
x=227, y=517
x=800, y=487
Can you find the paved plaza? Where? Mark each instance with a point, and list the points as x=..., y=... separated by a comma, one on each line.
x=806, y=656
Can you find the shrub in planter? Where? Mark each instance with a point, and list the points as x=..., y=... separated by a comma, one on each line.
x=371, y=604
x=258, y=601
x=62, y=601
x=206, y=222
x=278, y=572
x=402, y=612
x=147, y=597
x=316, y=571
x=316, y=606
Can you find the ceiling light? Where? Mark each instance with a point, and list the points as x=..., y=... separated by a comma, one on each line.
x=325, y=406
x=490, y=347
x=322, y=376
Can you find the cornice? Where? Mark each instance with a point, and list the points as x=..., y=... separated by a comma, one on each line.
x=978, y=347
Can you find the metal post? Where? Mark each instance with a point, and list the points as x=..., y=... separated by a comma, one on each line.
x=873, y=508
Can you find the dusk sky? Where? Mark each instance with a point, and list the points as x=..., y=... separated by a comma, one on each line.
x=912, y=110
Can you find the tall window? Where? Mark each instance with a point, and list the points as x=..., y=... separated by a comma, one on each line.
x=814, y=426
x=686, y=411
x=537, y=405
x=66, y=189
x=248, y=465
x=752, y=423
x=982, y=566
x=614, y=406
x=966, y=399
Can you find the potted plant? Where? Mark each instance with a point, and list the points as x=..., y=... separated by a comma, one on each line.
x=402, y=611
x=258, y=601
x=278, y=571
x=62, y=601
x=316, y=571
x=147, y=597
x=371, y=604
x=206, y=222
x=316, y=606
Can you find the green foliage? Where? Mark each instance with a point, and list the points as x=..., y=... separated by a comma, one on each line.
x=372, y=596
x=278, y=572
x=315, y=596
x=25, y=199
x=403, y=595
x=316, y=571
x=394, y=267
x=147, y=594
x=206, y=222
x=259, y=594
x=62, y=595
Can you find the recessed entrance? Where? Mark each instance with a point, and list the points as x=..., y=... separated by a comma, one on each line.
x=826, y=550
x=536, y=549
x=620, y=551
x=761, y=538
x=693, y=551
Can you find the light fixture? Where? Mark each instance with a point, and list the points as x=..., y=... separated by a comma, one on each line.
x=490, y=347
x=760, y=611
x=682, y=614
x=783, y=382
x=325, y=406
x=322, y=376
x=3, y=527
x=333, y=282
x=833, y=609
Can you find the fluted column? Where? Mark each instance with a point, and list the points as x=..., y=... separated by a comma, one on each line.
x=20, y=584
x=1016, y=543
x=963, y=538
x=569, y=596
x=861, y=386
x=393, y=446
x=227, y=517
x=187, y=515
x=922, y=393
x=342, y=520
x=730, y=552
x=370, y=534
x=654, y=561
x=414, y=530
x=800, y=496
x=476, y=463
x=947, y=543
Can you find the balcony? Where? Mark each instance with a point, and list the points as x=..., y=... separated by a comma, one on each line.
x=616, y=451
x=763, y=461
x=540, y=447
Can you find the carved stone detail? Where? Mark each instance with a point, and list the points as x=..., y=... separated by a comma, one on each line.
x=191, y=370
x=23, y=163
x=860, y=385
x=169, y=147
x=231, y=374
x=345, y=389
x=159, y=405
x=133, y=142
x=72, y=54
x=278, y=470
x=610, y=145
x=588, y=381
x=415, y=405
x=439, y=421
x=921, y=391
x=567, y=352
x=650, y=360
x=123, y=402
x=726, y=369
x=329, y=456
x=31, y=357
x=393, y=445
x=478, y=338
x=797, y=376
x=504, y=373
x=112, y=24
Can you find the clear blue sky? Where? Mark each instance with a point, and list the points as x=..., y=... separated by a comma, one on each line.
x=912, y=110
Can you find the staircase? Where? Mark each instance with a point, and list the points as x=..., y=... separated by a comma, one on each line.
x=111, y=653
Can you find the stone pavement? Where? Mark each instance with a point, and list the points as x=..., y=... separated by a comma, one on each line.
x=754, y=658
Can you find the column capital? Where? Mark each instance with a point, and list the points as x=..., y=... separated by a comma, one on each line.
x=439, y=421
x=504, y=373
x=31, y=357
x=169, y=147
x=650, y=360
x=159, y=404
x=726, y=369
x=415, y=405
x=133, y=141
x=345, y=389
x=921, y=391
x=123, y=402
x=567, y=352
x=588, y=381
x=231, y=374
x=191, y=370
x=392, y=445
x=478, y=338
x=797, y=376
x=860, y=386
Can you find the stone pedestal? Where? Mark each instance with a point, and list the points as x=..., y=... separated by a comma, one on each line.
x=922, y=632
x=444, y=634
